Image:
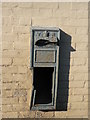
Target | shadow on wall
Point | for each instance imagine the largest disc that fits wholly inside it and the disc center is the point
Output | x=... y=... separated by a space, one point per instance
x=64 y=65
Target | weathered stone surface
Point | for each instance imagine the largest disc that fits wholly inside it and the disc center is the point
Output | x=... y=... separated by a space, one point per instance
x=71 y=18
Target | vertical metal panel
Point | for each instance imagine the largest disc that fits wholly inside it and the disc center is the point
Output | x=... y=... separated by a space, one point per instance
x=44 y=54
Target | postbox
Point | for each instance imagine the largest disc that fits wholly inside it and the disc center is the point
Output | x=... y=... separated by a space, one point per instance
x=44 y=58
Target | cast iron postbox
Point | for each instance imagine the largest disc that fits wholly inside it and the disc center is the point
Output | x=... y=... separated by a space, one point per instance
x=44 y=54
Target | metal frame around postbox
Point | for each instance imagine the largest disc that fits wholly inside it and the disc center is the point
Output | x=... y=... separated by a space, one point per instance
x=52 y=105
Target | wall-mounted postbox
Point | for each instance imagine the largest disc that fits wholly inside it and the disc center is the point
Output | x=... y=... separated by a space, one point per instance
x=44 y=55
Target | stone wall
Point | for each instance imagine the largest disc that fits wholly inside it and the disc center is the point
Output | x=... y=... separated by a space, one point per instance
x=72 y=19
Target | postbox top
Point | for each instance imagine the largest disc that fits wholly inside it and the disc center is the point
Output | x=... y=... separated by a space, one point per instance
x=44 y=28
x=44 y=42
x=42 y=36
